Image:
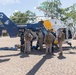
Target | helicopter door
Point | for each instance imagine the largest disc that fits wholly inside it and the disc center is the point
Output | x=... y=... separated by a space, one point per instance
x=68 y=33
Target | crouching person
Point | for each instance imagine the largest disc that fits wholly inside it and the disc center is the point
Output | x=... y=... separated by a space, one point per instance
x=49 y=38
x=28 y=38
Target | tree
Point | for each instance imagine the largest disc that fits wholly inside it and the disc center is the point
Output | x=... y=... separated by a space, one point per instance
x=71 y=12
x=52 y=7
x=22 y=18
x=30 y=16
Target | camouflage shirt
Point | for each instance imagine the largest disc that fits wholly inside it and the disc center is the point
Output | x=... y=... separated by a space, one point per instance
x=49 y=38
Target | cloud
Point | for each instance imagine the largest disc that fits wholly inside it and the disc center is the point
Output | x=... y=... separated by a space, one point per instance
x=16 y=10
x=4 y=2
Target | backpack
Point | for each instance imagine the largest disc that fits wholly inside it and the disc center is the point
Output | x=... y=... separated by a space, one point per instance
x=28 y=37
x=48 y=39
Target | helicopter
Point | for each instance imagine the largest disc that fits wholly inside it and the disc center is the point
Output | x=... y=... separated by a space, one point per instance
x=13 y=29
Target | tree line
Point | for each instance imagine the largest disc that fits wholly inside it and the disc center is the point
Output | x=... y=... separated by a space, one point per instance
x=53 y=7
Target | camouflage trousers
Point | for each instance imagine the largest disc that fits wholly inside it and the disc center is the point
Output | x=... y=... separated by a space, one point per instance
x=60 y=45
x=49 y=47
x=41 y=43
x=27 y=46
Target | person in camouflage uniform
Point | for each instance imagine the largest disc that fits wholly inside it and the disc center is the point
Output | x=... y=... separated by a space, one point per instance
x=40 y=39
x=28 y=37
x=61 y=38
x=22 y=40
x=48 y=41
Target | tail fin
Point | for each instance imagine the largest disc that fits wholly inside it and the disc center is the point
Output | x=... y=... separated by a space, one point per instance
x=11 y=28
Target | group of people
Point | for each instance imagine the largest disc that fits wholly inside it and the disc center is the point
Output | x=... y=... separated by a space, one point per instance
x=48 y=40
x=25 y=39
